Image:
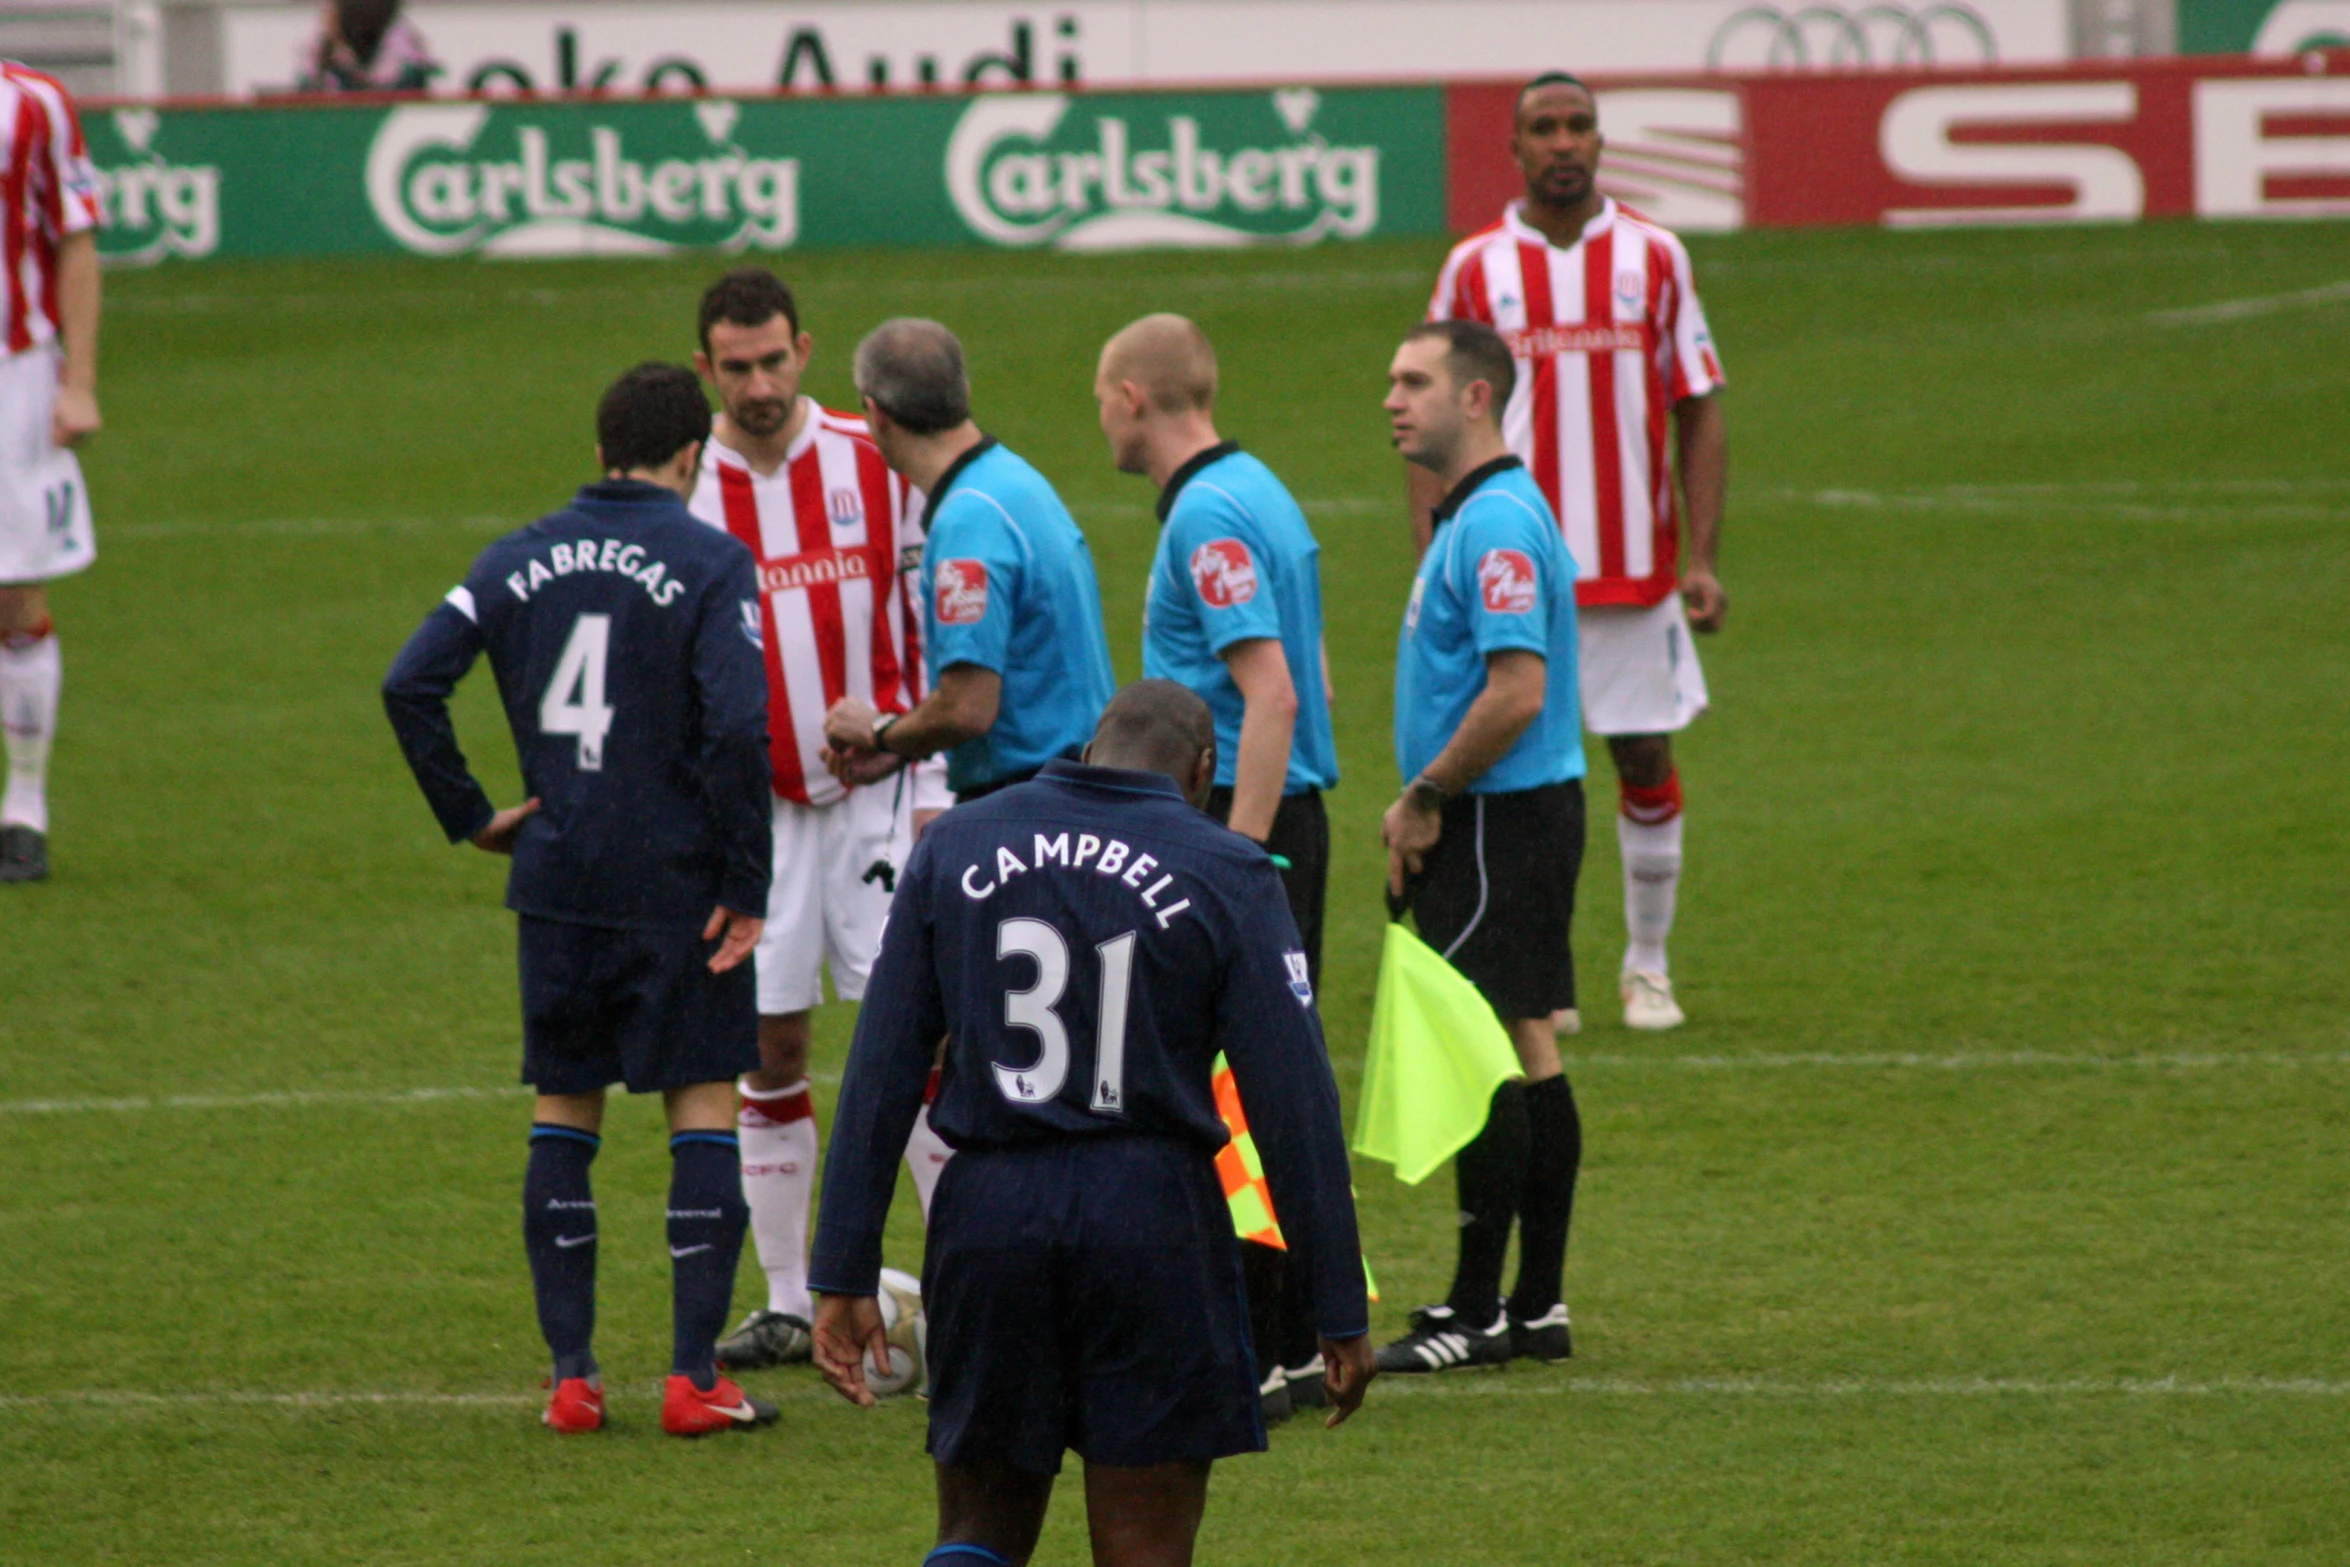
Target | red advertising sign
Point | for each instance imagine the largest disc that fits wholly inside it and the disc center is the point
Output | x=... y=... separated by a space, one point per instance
x=2107 y=141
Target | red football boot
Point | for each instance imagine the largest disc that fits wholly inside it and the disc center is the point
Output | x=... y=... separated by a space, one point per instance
x=688 y=1411
x=577 y=1405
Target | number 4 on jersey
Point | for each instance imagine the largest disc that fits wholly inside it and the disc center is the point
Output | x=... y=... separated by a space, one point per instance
x=574 y=703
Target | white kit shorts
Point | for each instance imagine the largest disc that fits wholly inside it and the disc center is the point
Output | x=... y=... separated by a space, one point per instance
x=45 y=527
x=821 y=908
x=1640 y=674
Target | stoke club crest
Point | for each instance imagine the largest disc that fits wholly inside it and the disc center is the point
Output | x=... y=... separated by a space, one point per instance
x=1224 y=572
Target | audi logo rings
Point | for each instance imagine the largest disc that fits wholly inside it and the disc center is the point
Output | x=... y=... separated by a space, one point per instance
x=1826 y=37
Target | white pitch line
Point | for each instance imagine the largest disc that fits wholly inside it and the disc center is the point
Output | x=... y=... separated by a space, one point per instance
x=1870 y=1387
x=1963 y=1060
x=2258 y=305
x=1519 y=1386
x=286 y=1099
x=306 y=527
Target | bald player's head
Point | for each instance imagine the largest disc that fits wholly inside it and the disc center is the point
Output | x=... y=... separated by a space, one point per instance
x=1156 y=385
x=1157 y=726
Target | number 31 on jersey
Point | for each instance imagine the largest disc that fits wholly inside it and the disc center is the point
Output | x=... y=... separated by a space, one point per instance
x=1032 y=1010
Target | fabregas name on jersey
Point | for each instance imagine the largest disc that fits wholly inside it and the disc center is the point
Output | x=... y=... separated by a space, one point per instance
x=597 y=555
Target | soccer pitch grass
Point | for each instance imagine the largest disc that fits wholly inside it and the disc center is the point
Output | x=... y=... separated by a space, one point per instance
x=1993 y=1207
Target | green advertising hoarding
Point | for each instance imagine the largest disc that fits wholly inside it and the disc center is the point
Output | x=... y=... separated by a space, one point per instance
x=1075 y=171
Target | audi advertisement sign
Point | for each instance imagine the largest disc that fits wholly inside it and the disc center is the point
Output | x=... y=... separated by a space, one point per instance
x=2110 y=142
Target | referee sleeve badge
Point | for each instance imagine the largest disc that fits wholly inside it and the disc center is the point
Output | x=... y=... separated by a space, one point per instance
x=962 y=592
x=1506 y=578
x=1224 y=573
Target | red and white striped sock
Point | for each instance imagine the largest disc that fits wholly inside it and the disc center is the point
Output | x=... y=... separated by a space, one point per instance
x=31 y=674
x=926 y=1152
x=1649 y=830
x=778 y=1133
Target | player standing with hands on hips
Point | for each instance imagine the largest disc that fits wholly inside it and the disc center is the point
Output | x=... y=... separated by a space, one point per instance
x=1234 y=612
x=49 y=217
x=838 y=541
x=625 y=638
x=1020 y=666
x=1486 y=839
x=1600 y=308
x=1089 y=941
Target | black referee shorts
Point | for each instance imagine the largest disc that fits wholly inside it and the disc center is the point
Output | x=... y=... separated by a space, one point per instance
x=1301 y=835
x=1496 y=896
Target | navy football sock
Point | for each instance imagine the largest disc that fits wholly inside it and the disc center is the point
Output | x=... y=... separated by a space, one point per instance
x=559 y=1232
x=1554 y=1155
x=707 y=1217
x=963 y=1554
x=1492 y=1176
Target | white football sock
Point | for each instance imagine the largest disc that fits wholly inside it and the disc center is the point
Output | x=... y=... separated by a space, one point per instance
x=926 y=1157
x=31 y=674
x=778 y=1133
x=1652 y=879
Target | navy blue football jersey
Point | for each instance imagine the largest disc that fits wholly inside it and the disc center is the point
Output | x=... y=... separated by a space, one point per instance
x=1090 y=942
x=626 y=642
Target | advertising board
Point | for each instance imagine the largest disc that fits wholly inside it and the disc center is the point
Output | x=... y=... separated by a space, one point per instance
x=2110 y=142
x=1066 y=170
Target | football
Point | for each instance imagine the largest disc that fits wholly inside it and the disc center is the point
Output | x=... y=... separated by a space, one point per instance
x=901 y=1321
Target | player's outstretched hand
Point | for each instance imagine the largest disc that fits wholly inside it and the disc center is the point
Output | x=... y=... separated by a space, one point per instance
x=740 y=933
x=1347 y=1370
x=848 y=1327
x=498 y=837
x=73 y=416
x=1708 y=604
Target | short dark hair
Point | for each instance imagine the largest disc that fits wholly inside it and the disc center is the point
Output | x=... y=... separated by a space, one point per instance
x=913 y=371
x=1553 y=79
x=650 y=415
x=747 y=296
x=1474 y=351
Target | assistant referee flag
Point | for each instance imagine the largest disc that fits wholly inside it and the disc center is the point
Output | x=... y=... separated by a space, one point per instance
x=1437 y=1054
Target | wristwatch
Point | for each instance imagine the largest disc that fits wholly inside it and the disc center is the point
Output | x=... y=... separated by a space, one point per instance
x=881 y=728
x=1427 y=793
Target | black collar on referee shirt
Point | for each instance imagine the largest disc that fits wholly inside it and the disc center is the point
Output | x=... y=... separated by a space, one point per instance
x=946 y=480
x=1469 y=486
x=1191 y=465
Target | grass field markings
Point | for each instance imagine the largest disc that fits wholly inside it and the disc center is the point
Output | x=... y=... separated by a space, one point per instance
x=1868 y=1387
x=2257 y=305
x=1537 y=1385
x=1336 y=506
x=2218 y=501
x=1966 y=1060
x=299 y=527
x=281 y=1099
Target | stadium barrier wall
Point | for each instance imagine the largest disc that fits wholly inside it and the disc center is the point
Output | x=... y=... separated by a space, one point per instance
x=1080 y=171
x=2113 y=141
x=645 y=176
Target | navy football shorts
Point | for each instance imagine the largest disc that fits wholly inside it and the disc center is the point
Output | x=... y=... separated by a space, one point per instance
x=641 y=1007
x=1085 y=1294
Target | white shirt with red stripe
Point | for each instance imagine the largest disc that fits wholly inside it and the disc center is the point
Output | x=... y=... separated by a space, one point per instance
x=1608 y=335
x=838 y=538
x=48 y=190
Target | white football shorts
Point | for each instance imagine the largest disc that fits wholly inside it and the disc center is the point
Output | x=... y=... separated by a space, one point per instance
x=821 y=909
x=1639 y=669
x=45 y=527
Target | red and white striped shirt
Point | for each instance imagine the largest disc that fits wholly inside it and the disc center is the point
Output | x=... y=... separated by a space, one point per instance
x=48 y=189
x=838 y=538
x=1608 y=335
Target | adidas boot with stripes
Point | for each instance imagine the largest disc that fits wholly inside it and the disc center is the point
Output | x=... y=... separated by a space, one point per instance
x=1441 y=1341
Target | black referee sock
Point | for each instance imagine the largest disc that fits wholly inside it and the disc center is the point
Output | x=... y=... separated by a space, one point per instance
x=1492 y=1176
x=559 y=1233
x=1554 y=1156
x=707 y=1217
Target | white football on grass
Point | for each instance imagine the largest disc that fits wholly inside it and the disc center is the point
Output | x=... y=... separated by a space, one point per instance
x=907 y=1334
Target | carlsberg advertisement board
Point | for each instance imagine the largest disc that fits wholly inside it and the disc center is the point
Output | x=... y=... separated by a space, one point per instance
x=1074 y=171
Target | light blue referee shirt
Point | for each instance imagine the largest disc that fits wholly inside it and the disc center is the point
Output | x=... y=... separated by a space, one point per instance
x=1012 y=590
x=1497 y=575
x=1237 y=561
